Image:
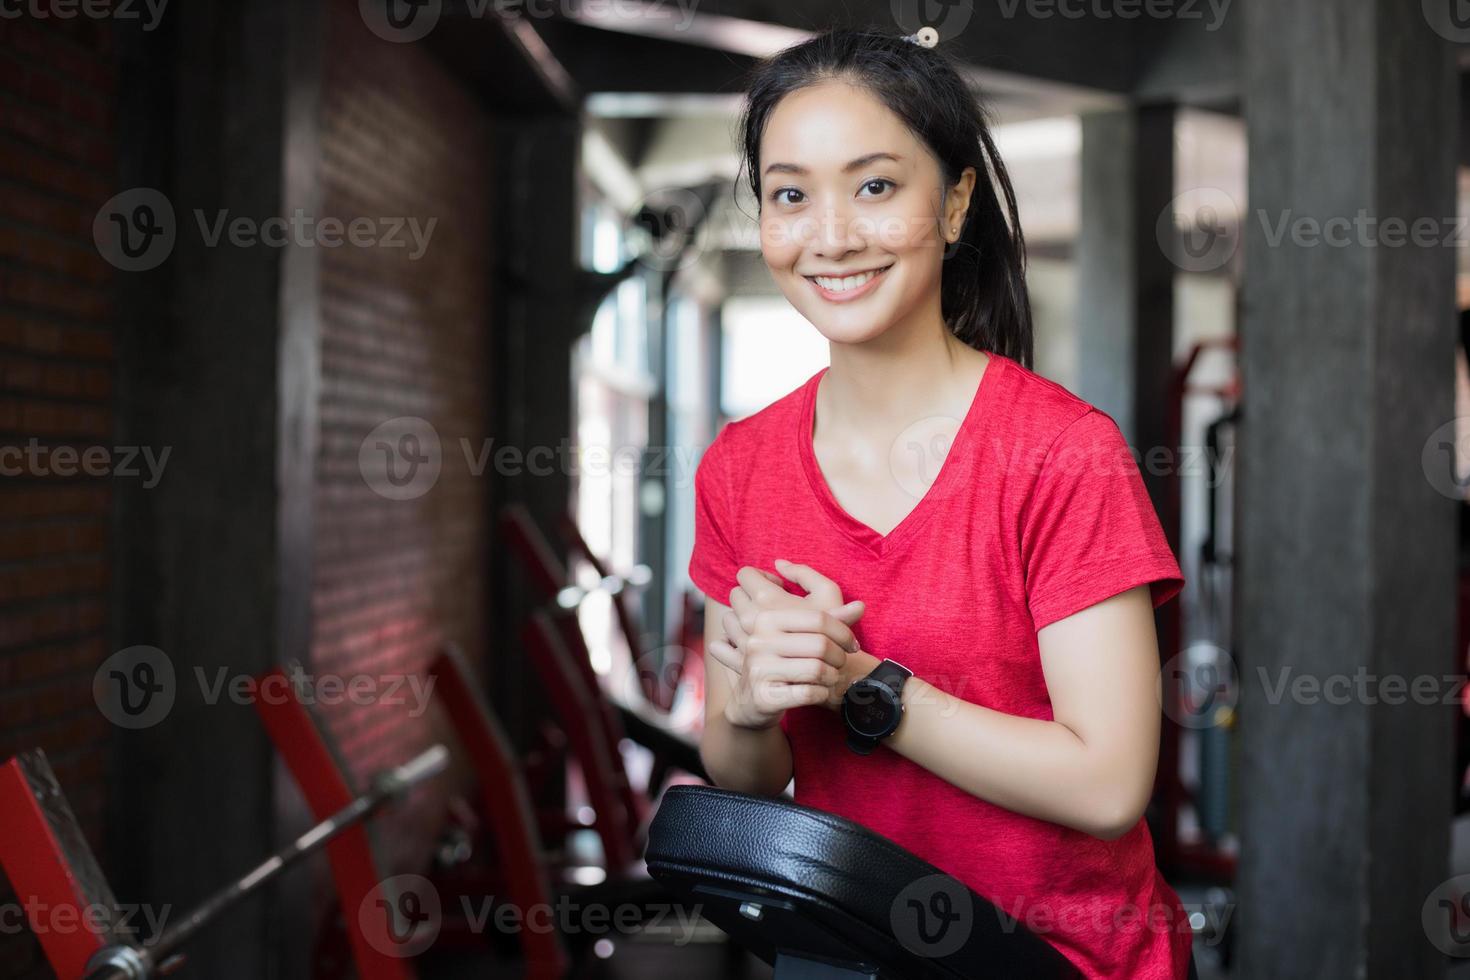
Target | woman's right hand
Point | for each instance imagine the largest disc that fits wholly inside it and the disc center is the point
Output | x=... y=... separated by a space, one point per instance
x=786 y=650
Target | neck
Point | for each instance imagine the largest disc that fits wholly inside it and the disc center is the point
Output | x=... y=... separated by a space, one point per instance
x=909 y=372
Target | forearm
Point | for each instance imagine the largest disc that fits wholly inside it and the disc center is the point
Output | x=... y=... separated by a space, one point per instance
x=1031 y=766
x=748 y=760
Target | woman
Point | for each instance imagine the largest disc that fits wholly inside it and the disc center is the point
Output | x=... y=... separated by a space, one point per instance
x=929 y=504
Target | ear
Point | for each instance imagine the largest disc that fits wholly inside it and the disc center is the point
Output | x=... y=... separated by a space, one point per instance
x=957 y=202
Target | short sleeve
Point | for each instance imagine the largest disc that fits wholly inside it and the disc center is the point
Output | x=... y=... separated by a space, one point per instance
x=1089 y=530
x=712 y=564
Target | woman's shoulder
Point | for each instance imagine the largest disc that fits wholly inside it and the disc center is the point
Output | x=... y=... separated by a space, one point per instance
x=1038 y=410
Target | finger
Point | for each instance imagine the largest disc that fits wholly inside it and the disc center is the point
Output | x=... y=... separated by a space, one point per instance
x=726 y=654
x=734 y=632
x=779 y=646
x=758 y=587
x=811 y=580
x=783 y=696
x=807 y=621
x=744 y=608
x=850 y=612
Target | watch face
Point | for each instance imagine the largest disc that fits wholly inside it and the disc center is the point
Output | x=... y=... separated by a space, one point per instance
x=870 y=708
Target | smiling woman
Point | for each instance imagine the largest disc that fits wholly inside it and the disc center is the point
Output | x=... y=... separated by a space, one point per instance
x=929 y=522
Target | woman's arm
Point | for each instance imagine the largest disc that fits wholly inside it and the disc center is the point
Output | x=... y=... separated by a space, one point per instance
x=1091 y=768
x=749 y=759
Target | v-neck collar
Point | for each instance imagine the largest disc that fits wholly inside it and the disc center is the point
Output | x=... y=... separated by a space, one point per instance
x=957 y=463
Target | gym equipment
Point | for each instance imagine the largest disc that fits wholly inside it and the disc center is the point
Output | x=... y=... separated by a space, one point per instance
x=1178 y=854
x=823 y=898
x=47 y=860
x=358 y=882
x=591 y=723
x=506 y=805
x=520 y=872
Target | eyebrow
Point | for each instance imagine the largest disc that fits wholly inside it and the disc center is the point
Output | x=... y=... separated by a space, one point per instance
x=862 y=161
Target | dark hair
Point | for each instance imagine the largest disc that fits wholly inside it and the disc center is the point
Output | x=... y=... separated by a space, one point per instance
x=983 y=286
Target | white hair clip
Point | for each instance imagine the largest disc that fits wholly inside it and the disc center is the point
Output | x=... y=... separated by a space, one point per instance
x=927 y=37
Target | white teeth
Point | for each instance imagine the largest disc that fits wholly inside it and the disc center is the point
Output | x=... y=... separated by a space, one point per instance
x=843 y=285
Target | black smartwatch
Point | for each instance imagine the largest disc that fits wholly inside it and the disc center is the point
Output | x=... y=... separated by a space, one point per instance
x=873 y=705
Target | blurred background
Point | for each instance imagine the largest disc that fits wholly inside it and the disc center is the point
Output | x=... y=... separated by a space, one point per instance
x=336 y=335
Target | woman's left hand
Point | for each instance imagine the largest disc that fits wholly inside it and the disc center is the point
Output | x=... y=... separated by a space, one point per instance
x=761 y=590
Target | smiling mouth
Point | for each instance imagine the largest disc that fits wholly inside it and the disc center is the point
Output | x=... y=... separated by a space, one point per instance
x=842 y=285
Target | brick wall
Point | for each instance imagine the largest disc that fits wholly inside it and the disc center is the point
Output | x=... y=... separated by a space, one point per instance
x=57 y=148
x=400 y=337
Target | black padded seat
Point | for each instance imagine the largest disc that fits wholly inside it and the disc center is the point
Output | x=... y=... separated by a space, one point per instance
x=820 y=896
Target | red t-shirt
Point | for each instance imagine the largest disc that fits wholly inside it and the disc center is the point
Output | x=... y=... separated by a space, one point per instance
x=1038 y=511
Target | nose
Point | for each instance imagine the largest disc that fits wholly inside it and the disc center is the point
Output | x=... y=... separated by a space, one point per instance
x=836 y=232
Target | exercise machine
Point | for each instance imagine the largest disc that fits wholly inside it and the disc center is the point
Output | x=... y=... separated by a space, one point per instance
x=823 y=898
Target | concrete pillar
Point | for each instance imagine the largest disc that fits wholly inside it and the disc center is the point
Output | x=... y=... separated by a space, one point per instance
x=217 y=354
x=1125 y=281
x=1346 y=551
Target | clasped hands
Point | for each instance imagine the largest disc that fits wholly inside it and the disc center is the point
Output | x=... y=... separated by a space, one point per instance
x=788 y=650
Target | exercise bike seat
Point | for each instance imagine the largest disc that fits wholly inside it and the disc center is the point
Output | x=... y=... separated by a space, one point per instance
x=817 y=895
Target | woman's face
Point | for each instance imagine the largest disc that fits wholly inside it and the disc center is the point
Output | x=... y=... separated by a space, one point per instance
x=847 y=191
